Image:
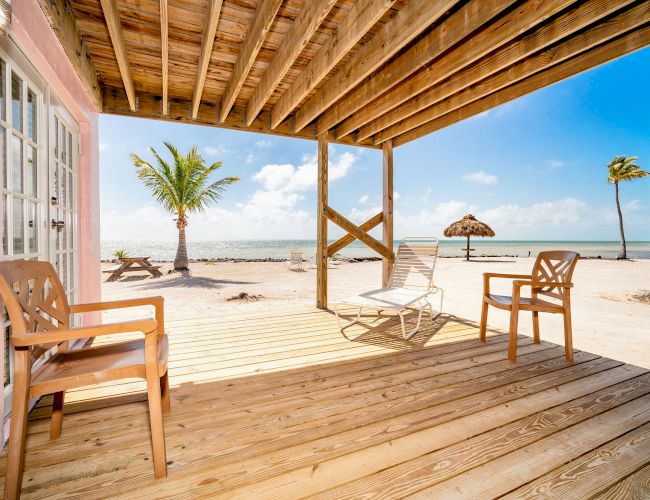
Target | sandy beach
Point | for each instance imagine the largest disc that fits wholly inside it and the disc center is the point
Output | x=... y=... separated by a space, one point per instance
x=607 y=319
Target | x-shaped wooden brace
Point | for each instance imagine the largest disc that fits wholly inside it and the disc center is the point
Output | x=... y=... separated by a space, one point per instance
x=357 y=232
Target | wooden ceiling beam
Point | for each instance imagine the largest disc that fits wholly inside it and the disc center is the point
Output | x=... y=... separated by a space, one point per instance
x=471 y=16
x=363 y=16
x=469 y=52
x=211 y=22
x=415 y=17
x=311 y=16
x=164 y=54
x=547 y=34
x=264 y=16
x=116 y=103
x=541 y=61
x=114 y=25
x=634 y=40
x=65 y=27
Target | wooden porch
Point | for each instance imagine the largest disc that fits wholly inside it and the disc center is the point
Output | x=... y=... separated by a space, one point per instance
x=286 y=406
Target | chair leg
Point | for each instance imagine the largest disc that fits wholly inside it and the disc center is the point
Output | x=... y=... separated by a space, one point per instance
x=568 y=335
x=164 y=393
x=57 y=415
x=512 y=341
x=17 y=431
x=156 y=421
x=536 y=327
x=484 y=316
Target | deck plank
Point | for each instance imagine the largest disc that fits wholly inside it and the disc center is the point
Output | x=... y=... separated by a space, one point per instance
x=283 y=405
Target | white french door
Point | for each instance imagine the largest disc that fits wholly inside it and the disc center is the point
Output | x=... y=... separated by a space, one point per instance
x=39 y=155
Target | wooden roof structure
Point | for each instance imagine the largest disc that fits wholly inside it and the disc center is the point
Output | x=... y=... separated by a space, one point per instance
x=364 y=71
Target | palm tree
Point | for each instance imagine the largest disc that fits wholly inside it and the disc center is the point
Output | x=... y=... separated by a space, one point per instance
x=181 y=187
x=623 y=168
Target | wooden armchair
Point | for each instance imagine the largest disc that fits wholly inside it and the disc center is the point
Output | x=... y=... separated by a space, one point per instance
x=39 y=313
x=551 y=278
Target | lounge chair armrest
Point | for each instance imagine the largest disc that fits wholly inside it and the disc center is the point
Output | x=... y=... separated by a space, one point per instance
x=145 y=326
x=537 y=284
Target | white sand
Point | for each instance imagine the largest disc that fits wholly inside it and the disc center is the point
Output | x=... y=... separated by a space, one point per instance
x=605 y=320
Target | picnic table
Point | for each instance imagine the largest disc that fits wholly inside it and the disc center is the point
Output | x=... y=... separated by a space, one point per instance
x=132 y=265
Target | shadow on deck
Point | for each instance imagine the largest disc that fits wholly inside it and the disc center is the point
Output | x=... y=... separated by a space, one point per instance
x=285 y=406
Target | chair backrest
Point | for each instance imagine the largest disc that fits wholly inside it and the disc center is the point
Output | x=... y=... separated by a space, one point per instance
x=296 y=257
x=554 y=266
x=34 y=299
x=415 y=262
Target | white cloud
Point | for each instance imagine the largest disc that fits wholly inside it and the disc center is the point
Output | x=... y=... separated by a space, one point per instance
x=633 y=205
x=425 y=197
x=481 y=177
x=361 y=215
x=263 y=144
x=250 y=158
x=364 y=199
x=554 y=164
x=396 y=195
x=103 y=146
x=217 y=150
x=554 y=213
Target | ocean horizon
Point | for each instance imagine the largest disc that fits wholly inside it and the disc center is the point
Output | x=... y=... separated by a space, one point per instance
x=165 y=250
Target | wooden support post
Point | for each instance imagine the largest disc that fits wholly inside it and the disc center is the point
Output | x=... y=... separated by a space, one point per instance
x=321 y=221
x=387 y=266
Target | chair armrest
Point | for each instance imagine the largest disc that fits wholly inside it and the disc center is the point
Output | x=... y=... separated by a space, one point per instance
x=157 y=302
x=145 y=326
x=502 y=275
x=537 y=284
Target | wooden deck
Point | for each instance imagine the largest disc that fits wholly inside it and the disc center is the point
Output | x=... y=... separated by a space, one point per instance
x=285 y=407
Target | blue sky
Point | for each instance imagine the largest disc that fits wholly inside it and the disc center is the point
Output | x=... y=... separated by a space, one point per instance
x=534 y=168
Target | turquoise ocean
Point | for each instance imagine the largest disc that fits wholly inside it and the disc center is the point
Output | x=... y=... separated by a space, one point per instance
x=279 y=249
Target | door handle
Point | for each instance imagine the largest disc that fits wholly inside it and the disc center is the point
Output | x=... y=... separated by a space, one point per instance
x=58 y=224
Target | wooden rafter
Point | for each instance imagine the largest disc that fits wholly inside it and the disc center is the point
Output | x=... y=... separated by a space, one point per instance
x=541 y=61
x=264 y=16
x=64 y=24
x=211 y=22
x=114 y=25
x=545 y=35
x=164 y=44
x=415 y=17
x=470 y=17
x=468 y=53
x=621 y=46
x=363 y=15
x=303 y=28
x=358 y=233
x=344 y=241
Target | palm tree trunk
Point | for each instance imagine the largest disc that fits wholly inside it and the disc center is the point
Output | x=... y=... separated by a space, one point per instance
x=181 y=262
x=467 y=256
x=623 y=252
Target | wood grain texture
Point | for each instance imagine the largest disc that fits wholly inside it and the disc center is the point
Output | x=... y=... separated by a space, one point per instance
x=282 y=405
x=387 y=203
x=621 y=46
x=114 y=26
x=435 y=89
x=416 y=16
x=547 y=58
x=65 y=27
x=211 y=22
x=303 y=28
x=321 y=222
x=470 y=17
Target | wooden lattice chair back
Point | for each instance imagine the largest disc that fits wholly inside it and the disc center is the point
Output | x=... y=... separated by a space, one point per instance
x=414 y=264
x=554 y=267
x=34 y=299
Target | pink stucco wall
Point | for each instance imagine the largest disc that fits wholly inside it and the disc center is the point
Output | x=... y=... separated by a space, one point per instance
x=30 y=29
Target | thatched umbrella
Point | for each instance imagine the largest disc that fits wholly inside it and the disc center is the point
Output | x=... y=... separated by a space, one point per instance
x=468 y=226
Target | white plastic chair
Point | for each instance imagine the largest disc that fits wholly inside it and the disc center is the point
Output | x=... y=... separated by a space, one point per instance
x=410 y=285
x=295 y=260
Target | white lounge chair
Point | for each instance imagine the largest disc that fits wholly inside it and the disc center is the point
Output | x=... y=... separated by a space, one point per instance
x=295 y=260
x=410 y=285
